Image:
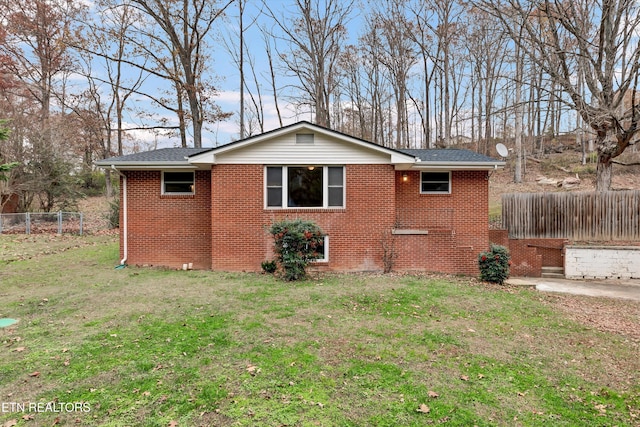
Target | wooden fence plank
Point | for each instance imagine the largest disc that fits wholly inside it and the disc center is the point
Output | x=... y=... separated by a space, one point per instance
x=579 y=216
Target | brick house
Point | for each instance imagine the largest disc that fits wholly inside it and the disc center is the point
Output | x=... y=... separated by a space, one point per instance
x=211 y=207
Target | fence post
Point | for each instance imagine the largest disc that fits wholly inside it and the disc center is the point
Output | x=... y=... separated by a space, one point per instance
x=59 y=222
x=81 y=223
x=27 y=223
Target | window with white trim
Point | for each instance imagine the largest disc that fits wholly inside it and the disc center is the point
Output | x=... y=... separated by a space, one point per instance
x=435 y=182
x=304 y=138
x=178 y=183
x=324 y=250
x=305 y=186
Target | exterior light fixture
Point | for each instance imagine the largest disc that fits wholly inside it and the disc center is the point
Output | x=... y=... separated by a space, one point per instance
x=405 y=177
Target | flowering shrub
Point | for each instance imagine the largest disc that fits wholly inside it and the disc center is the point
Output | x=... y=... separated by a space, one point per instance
x=296 y=243
x=494 y=264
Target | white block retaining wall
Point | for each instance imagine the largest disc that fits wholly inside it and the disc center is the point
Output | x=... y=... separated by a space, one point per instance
x=592 y=262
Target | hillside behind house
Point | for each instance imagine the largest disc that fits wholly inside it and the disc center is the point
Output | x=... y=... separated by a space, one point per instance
x=547 y=172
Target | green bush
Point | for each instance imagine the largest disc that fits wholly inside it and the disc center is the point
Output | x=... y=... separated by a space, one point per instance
x=494 y=264
x=269 y=266
x=296 y=243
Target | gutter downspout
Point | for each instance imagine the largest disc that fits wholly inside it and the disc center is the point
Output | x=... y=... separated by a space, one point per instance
x=125 y=239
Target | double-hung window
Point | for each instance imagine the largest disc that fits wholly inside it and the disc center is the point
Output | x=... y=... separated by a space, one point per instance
x=435 y=182
x=178 y=183
x=305 y=186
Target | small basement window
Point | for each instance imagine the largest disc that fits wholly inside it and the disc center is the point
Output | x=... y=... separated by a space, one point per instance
x=435 y=182
x=178 y=182
x=324 y=250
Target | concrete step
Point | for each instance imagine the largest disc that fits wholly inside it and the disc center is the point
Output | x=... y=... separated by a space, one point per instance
x=553 y=272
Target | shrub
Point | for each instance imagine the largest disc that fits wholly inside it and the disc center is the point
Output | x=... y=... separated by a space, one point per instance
x=296 y=243
x=494 y=264
x=269 y=266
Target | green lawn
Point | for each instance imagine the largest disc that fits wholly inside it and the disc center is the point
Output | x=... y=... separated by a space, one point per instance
x=151 y=347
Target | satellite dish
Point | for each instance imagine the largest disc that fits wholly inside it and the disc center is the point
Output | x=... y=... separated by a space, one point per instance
x=502 y=150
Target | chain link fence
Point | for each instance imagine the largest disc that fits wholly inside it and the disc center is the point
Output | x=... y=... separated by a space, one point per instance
x=40 y=223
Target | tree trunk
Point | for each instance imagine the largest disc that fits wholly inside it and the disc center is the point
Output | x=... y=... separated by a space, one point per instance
x=607 y=144
x=603 y=172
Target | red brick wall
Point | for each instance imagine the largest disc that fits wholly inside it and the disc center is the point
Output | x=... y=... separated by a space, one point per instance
x=167 y=230
x=528 y=256
x=457 y=223
x=224 y=226
x=240 y=221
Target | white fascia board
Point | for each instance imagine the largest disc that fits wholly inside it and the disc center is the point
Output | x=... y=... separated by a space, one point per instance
x=401 y=158
x=207 y=158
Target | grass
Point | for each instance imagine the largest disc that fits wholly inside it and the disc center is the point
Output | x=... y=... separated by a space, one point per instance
x=155 y=347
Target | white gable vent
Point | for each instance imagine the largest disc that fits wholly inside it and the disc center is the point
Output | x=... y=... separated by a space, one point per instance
x=304 y=138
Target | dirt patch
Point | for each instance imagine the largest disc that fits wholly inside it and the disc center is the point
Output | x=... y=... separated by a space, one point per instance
x=603 y=314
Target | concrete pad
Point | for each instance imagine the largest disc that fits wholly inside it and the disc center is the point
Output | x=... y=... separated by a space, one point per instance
x=609 y=288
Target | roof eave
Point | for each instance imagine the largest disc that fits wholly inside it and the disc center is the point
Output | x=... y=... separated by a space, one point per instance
x=145 y=165
x=458 y=165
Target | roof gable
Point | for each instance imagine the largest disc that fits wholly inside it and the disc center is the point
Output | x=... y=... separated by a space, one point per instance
x=280 y=146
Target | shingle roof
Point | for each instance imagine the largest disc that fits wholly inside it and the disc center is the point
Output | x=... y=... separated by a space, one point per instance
x=162 y=155
x=179 y=158
x=449 y=155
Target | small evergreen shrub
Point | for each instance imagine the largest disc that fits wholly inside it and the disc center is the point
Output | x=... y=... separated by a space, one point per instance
x=113 y=214
x=269 y=267
x=494 y=264
x=296 y=243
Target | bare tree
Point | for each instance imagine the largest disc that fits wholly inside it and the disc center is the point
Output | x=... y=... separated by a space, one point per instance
x=600 y=41
x=43 y=138
x=487 y=51
x=519 y=60
x=445 y=31
x=398 y=56
x=316 y=35
x=186 y=24
x=35 y=41
x=375 y=86
x=422 y=35
x=358 y=107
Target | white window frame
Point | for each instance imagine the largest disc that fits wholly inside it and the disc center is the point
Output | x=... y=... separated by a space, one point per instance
x=325 y=256
x=178 y=193
x=434 y=192
x=325 y=187
x=305 y=138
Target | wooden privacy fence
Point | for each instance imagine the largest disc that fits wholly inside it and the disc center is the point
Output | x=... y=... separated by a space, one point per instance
x=580 y=216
